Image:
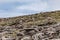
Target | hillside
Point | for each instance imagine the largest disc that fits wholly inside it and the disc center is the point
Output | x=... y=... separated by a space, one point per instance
x=31 y=19
x=39 y=26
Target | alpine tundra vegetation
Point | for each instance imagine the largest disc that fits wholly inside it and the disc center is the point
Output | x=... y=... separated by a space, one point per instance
x=39 y=26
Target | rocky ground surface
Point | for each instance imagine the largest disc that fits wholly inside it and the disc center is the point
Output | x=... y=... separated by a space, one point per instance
x=46 y=31
x=42 y=26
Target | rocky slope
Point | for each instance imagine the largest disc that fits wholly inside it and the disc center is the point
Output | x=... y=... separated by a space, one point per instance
x=40 y=26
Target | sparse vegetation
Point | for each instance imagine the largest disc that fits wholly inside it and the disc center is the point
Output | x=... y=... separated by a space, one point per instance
x=44 y=23
x=31 y=19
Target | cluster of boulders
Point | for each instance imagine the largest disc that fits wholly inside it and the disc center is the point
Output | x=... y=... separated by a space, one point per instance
x=36 y=32
x=49 y=30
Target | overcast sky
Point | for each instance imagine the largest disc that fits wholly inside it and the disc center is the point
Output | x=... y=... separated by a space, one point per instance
x=10 y=8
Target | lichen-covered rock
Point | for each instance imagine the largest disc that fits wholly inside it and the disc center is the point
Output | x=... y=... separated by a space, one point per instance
x=26 y=38
x=38 y=36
